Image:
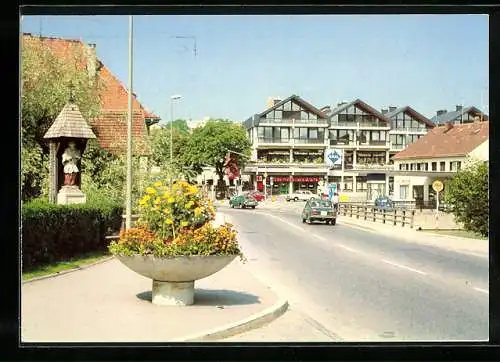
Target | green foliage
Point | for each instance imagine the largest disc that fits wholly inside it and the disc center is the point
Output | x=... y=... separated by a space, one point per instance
x=46 y=82
x=105 y=175
x=467 y=193
x=34 y=172
x=180 y=125
x=175 y=220
x=208 y=145
x=52 y=233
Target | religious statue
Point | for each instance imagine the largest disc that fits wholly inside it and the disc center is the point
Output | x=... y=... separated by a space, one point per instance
x=70 y=158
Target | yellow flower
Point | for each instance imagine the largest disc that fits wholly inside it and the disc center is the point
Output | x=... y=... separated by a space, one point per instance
x=171 y=200
x=189 y=204
x=169 y=221
x=184 y=223
x=146 y=198
x=166 y=195
x=197 y=211
x=157 y=201
x=157 y=184
x=151 y=190
x=142 y=202
x=166 y=211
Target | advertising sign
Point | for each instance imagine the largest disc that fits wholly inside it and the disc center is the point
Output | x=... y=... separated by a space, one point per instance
x=333 y=156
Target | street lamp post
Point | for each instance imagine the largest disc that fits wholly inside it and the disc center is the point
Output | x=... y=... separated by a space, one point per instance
x=128 y=208
x=172 y=99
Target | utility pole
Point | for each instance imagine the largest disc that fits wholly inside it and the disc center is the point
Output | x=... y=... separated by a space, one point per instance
x=129 y=124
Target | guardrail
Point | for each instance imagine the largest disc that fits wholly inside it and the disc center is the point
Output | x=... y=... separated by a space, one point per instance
x=393 y=217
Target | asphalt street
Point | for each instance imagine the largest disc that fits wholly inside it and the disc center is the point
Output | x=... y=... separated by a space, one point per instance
x=360 y=286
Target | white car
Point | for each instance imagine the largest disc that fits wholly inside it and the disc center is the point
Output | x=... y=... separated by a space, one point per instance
x=300 y=195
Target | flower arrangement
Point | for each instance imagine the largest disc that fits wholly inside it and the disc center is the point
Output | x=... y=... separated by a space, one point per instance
x=176 y=220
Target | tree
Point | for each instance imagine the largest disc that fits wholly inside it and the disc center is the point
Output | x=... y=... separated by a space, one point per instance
x=179 y=124
x=467 y=193
x=46 y=83
x=209 y=145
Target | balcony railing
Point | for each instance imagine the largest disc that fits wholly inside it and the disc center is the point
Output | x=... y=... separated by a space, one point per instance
x=374 y=143
x=274 y=140
x=373 y=166
x=409 y=130
x=397 y=147
x=310 y=141
x=342 y=143
x=294 y=121
x=360 y=124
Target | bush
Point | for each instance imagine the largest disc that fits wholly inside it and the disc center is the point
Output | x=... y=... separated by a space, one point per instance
x=53 y=233
x=468 y=195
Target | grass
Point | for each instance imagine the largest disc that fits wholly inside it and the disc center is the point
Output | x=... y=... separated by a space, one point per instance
x=460 y=233
x=60 y=266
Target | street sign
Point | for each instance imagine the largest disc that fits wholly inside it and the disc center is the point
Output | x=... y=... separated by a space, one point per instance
x=437 y=186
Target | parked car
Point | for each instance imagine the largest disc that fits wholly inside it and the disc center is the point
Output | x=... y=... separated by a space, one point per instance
x=242 y=201
x=319 y=210
x=384 y=203
x=300 y=195
x=256 y=195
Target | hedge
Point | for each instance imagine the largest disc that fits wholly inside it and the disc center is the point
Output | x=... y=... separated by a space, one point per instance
x=52 y=233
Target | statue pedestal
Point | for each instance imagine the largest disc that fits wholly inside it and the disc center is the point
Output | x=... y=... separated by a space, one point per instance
x=70 y=195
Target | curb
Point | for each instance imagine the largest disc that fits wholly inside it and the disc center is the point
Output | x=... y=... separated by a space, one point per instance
x=67 y=271
x=254 y=321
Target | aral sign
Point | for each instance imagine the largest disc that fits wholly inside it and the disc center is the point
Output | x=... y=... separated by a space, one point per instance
x=333 y=156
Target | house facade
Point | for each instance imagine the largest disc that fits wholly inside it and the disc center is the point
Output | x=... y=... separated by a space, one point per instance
x=460 y=115
x=439 y=155
x=110 y=126
x=288 y=143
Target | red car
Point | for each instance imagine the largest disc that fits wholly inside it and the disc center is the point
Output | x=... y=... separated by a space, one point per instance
x=256 y=195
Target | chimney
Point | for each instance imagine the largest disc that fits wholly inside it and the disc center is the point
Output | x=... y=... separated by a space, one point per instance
x=341 y=103
x=272 y=101
x=384 y=110
x=441 y=112
x=448 y=126
x=91 y=61
x=392 y=108
x=459 y=108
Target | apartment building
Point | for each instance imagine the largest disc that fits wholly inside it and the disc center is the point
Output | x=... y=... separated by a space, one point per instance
x=460 y=115
x=361 y=134
x=438 y=155
x=288 y=145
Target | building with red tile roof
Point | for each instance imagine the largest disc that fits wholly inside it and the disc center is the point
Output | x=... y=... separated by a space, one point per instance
x=438 y=155
x=111 y=124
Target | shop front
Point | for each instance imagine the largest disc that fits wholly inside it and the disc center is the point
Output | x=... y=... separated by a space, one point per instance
x=308 y=156
x=285 y=184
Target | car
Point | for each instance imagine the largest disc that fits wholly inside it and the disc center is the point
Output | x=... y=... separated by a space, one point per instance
x=384 y=203
x=243 y=202
x=256 y=195
x=317 y=209
x=300 y=195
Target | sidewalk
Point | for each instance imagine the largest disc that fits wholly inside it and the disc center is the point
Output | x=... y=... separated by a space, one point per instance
x=110 y=303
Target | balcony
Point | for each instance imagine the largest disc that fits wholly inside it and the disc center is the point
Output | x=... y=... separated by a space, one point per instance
x=269 y=166
x=283 y=141
x=398 y=147
x=342 y=143
x=291 y=141
x=363 y=125
x=291 y=122
x=373 y=144
x=418 y=130
x=373 y=166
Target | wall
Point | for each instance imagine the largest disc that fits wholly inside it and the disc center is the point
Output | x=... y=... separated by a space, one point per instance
x=482 y=152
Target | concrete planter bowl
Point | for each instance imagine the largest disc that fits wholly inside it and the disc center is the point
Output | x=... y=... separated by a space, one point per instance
x=174 y=277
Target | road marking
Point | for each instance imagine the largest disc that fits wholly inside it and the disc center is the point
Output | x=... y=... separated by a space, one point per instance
x=403 y=267
x=287 y=222
x=482 y=290
x=347 y=248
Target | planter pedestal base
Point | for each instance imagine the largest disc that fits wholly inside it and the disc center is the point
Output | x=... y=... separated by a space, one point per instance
x=170 y=293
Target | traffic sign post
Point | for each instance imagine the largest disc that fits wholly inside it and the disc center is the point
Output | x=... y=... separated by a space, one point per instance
x=438 y=187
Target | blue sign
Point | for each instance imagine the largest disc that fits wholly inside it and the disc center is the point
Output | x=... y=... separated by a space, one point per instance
x=333 y=157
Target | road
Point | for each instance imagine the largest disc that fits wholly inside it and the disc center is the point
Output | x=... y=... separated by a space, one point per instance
x=360 y=286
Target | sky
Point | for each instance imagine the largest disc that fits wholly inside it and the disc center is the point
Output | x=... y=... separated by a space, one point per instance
x=428 y=62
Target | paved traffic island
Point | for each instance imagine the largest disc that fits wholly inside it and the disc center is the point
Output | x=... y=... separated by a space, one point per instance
x=110 y=303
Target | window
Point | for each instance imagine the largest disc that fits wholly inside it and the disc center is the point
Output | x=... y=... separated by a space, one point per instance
x=363 y=137
x=361 y=184
x=342 y=118
x=375 y=136
x=344 y=136
x=413 y=166
x=278 y=114
x=285 y=133
x=442 y=166
x=424 y=166
x=332 y=134
x=313 y=116
x=260 y=132
x=403 y=192
x=268 y=132
x=321 y=134
x=313 y=133
x=418 y=166
x=347 y=183
x=295 y=107
x=453 y=166
x=434 y=166
x=459 y=165
x=303 y=133
x=303 y=116
x=287 y=106
x=391 y=185
x=403 y=167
